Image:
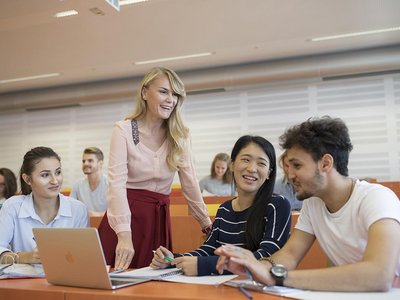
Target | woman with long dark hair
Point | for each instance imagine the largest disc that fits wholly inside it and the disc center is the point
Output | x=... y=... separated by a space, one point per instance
x=256 y=219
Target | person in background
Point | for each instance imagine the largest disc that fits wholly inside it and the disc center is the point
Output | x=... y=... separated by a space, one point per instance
x=284 y=187
x=219 y=183
x=255 y=219
x=92 y=190
x=8 y=184
x=356 y=223
x=40 y=205
x=146 y=151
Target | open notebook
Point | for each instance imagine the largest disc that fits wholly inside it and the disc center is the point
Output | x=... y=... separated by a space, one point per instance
x=173 y=275
x=74 y=257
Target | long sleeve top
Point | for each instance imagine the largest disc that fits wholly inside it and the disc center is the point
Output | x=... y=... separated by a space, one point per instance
x=18 y=217
x=229 y=228
x=134 y=166
x=216 y=187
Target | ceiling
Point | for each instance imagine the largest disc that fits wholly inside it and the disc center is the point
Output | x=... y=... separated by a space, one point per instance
x=90 y=48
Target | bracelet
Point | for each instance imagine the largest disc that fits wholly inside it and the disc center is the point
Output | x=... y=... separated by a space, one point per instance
x=268 y=259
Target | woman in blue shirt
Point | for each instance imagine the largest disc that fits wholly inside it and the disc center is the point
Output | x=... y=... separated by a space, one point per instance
x=40 y=205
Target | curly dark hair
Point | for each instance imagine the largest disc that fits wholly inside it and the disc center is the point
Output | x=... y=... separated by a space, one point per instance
x=320 y=136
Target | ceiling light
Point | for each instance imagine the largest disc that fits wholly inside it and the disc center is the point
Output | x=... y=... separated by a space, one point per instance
x=30 y=77
x=66 y=13
x=126 y=2
x=353 y=34
x=172 y=58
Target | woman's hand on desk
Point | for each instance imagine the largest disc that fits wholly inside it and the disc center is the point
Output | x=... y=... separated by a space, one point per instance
x=188 y=264
x=29 y=257
x=124 y=252
x=161 y=258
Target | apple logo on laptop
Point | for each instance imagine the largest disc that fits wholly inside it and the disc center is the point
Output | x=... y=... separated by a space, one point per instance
x=69 y=257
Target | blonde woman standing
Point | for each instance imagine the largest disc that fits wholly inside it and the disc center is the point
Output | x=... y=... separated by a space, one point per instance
x=146 y=151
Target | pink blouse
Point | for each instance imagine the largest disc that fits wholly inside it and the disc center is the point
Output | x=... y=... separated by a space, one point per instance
x=137 y=167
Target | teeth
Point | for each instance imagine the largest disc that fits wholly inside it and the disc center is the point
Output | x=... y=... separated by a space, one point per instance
x=165 y=107
x=250 y=178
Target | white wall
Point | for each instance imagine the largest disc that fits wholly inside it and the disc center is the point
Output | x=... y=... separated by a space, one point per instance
x=369 y=105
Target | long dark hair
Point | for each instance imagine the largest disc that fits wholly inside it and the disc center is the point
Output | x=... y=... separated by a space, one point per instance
x=10 y=182
x=31 y=159
x=255 y=215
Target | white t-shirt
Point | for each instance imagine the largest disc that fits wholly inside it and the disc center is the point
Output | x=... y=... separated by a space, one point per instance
x=343 y=235
x=96 y=200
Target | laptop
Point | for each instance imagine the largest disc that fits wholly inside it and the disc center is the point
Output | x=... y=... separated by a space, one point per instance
x=74 y=257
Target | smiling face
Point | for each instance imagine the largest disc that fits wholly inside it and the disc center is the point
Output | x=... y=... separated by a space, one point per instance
x=304 y=173
x=46 y=178
x=90 y=164
x=251 y=168
x=220 y=168
x=160 y=97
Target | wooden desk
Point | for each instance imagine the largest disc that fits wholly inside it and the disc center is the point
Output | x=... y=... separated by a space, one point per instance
x=22 y=289
x=38 y=288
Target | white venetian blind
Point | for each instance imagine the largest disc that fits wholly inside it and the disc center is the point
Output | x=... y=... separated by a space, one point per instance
x=369 y=105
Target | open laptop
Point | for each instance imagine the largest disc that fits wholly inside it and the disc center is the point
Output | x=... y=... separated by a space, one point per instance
x=74 y=257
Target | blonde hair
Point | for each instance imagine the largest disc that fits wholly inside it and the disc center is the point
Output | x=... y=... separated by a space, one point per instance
x=227 y=178
x=177 y=132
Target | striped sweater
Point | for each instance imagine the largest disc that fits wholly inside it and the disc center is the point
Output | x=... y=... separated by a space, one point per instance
x=229 y=228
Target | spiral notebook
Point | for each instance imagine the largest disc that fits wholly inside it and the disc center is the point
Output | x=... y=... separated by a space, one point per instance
x=172 y=275
x=149 y=273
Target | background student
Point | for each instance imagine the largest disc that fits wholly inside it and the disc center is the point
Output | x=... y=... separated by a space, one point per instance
x=40 y=205
x=8 y=184
x=356 y=223
x=219 y=182
x=284 y=187
x=92 y=190
x=256 y=219
x=146 y=151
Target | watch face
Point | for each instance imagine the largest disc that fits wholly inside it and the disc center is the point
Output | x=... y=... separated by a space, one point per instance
x=279 y=271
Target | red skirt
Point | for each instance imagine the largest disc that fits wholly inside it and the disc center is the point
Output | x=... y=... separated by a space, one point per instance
x=150 y=225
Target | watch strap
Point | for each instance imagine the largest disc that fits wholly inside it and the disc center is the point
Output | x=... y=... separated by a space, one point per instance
x=268 y=259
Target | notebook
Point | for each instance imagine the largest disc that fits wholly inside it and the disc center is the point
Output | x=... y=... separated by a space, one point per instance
x=174 y=275
x=74 y=257
x=149 y=273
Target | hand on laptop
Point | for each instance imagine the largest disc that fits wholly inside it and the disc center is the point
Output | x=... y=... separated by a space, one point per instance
x=124 y=252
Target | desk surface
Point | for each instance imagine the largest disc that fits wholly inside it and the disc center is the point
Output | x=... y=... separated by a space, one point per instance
x=21 y=289
x=39 y=288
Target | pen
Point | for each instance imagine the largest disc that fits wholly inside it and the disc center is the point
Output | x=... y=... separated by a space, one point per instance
x=169 y=259
x=245 y=292
x=249 y=275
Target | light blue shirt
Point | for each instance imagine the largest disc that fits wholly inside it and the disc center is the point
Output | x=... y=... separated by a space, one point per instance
x=216 y=187
x=18 y=217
